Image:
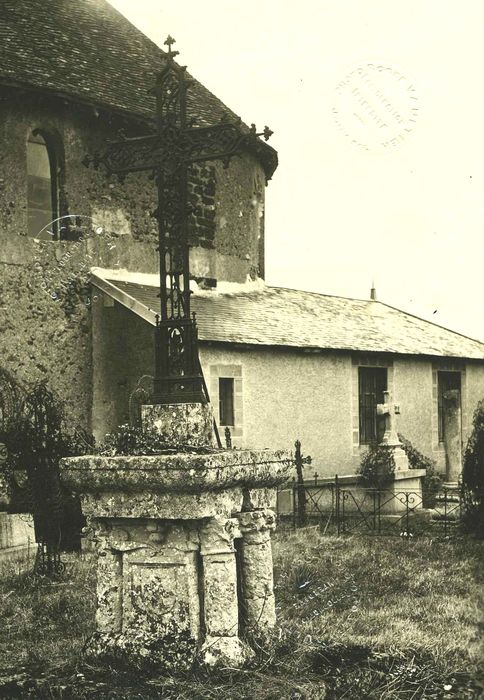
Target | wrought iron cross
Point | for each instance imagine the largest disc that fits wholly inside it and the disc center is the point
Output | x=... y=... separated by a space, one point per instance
x=168 y=154
x=300 y=461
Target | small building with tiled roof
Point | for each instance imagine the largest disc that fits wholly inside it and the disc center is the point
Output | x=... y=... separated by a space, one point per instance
x=283 y=364
x=279 y=364
x=73 y=74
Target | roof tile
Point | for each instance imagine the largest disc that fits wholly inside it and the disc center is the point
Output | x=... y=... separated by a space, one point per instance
x=74 y=46
x=291 y=318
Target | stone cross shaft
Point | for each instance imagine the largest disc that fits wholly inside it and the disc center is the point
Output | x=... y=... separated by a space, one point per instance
x=387 y=409
x=168 y=154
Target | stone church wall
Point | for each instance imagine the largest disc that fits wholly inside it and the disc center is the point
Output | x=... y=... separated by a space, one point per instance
x=45 y=320
x=123 y=351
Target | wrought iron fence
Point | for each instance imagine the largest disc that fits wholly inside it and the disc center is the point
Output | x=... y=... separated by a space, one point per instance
x=34 y=436
x=341 y=509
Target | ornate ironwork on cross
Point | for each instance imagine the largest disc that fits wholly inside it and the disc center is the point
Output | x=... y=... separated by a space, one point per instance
x=168 y=154
x=300 y=462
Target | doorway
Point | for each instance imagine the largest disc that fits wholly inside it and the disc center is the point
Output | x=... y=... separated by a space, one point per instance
x=450 y=422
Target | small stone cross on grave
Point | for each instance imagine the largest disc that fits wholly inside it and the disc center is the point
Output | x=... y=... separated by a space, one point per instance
x=389 y=410
x=390 y=437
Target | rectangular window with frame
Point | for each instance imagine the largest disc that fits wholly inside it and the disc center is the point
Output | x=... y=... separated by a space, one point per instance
x=447 y=381
x=372 y=382
x=226 y=400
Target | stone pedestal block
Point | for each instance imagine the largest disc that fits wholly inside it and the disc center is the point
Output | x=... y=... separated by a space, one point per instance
x=181 y=423
x=17 y=535
x=183 y=547
x=401 y=459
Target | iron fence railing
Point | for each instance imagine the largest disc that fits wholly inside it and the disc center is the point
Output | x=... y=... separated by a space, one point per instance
x=343 y=509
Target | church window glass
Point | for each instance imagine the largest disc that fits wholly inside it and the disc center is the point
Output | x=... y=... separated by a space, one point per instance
x=372 y=382
x=226 y=400
x=446 y=382
x=42 y=187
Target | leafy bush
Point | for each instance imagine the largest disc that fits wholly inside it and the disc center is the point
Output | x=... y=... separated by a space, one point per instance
x=377 y=468
x=472 y=489
x=136 y=440
x=132 y=440
x=36 y=437
x=431 y=482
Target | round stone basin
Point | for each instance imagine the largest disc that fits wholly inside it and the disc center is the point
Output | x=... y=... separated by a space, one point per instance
x=187 y=472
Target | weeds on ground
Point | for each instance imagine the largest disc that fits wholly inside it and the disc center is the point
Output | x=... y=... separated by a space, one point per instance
x=357 y=618
x=44 y=621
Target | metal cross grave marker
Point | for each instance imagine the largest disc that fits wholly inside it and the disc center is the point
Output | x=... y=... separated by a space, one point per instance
x=168 y=154
x=300 y=461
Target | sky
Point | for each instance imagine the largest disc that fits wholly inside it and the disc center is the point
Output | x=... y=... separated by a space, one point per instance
x=377 y=108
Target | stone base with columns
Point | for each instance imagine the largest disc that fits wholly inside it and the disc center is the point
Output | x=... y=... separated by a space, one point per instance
x=183 y=546
x=181 y=423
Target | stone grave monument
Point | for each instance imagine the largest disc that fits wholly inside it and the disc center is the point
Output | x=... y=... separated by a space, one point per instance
x=182 y=542
x=182 y=538
x=407 y=482
x=406 y=488
x=390 y=437
x=17 y=535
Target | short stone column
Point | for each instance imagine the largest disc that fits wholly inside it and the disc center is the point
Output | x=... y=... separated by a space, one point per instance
x=221 y=610
x=258 y=605
x=181 y=423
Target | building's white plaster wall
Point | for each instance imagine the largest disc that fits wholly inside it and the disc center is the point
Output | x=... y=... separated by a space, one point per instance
x=281 y=395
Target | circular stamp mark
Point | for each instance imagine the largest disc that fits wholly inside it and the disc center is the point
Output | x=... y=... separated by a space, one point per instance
x=376 y=107
x=67 y=270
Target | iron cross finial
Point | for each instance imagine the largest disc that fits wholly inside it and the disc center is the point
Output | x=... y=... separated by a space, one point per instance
x=267 y=133
x=169 y=41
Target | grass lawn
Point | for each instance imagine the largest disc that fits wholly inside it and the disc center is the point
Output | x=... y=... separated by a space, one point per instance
x=364 y=617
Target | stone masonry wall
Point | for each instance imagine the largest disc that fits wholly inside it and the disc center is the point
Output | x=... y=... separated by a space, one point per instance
x=123 y=351
x=474 y=390
x=412 y=389
x=240 y=213
x=230 y=224
x=475 y=393
x=45 y=321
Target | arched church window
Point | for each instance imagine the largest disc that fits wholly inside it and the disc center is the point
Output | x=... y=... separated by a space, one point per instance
x=42 y=186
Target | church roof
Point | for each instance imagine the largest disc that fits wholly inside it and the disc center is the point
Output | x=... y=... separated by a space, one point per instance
x=274 y=316
x=89 y=52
